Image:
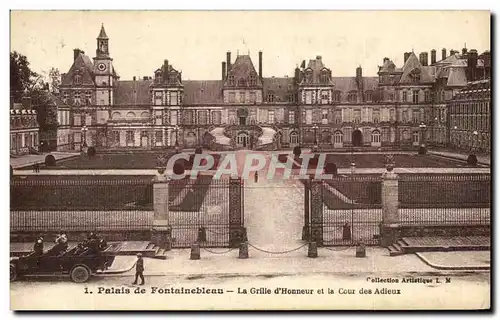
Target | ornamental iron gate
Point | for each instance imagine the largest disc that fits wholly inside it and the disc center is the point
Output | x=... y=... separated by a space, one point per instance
x=213 y=205
x=343 y=210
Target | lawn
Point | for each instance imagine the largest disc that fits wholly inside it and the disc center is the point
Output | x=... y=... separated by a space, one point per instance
x=378 y=161
x=129 y=160
x=423 y=191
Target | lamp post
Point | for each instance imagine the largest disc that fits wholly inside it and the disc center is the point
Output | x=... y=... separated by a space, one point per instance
x=84 y=136
x=315 y=127
x=176 y=138
x=474 y=144
x=422 y=127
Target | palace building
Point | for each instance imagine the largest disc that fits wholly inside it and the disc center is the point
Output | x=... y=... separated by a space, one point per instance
x=24 y=128
x=401 y=107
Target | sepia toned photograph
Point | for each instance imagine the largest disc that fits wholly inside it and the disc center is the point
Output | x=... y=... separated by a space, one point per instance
x=250 y=160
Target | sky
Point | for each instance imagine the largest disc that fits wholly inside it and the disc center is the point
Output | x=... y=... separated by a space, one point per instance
x=196 y=42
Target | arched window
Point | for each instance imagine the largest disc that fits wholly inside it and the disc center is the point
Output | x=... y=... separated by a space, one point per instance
x=368 y=96
x=338 y=137
x=116 y=115
x=376 y=136
x=326 y=137
x=294 y=137
x=416 y=137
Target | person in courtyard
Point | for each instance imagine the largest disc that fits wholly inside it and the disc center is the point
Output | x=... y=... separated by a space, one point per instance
x=256 y=176
x=38 y=246
x=61 y=243
x=139 y=269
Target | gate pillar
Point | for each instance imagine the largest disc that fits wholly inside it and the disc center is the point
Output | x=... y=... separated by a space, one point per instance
x=161 y=231
x=307 y=205
x=390 y=204
x=236 y=233
x=316 y=212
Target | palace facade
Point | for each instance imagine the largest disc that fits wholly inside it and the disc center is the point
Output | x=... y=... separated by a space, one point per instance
x=402 y=107
x=24 y=128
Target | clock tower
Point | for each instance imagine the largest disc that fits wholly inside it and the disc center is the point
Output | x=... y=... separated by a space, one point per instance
x=103 y=71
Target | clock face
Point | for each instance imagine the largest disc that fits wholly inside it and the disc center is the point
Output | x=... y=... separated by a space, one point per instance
x=101 y=67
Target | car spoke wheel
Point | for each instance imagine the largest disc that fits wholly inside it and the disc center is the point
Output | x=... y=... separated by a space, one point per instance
x=13 y=273
x=80 y=274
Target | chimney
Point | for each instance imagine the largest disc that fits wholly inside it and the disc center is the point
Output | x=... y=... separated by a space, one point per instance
x=472 y=65
x=134 y=78
x=386 y=59
x=421 y=58
x=165 y=67
x=318 y=58
x=452 y=52
x=297 y=74
x=260 y=64
x=228 y=61
x=433 y=56
x=424 y=58
x=443 y=54
x=76 y=52
x=359 y=73
x=464 y=51
x=26 y=102
x=407 y=55
x=224 y=72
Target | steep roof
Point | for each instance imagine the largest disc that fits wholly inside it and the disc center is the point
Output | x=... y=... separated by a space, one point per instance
x=82 y=65
x=132 y=92
x=345 y=84
x=102 y=34
x=457 y=76
x=281 y=87
x=411 y=65
x=315 y=66
x=200 y=92
x=243 y=68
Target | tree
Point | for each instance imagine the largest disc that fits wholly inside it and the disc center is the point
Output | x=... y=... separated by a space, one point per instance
x=55 y=80
x=22 y=78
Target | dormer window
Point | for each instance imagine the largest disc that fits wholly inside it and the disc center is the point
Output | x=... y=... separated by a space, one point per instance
x=158 y=76
x=352 y=96
x=368 y=96
x=77 y=79
x=253 y=80
x=270 y=97
x=325 y=77
x=308 y=76
x=65 y=96
x=415 y=76
x=242 y=83
x=172 y=79
x=231 y=80
x=336 y=96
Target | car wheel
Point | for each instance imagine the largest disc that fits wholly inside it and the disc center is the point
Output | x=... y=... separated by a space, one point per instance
x=80 y=274
x=13 y=273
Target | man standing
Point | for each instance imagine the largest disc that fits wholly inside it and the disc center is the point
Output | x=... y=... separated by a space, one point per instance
x=139 y=269
x=38 y=246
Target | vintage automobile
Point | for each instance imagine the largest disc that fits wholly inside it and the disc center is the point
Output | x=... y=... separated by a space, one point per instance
x=80 y=262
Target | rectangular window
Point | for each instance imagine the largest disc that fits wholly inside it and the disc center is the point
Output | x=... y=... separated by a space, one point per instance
x=291 y=116
x=202 y=117
x=338 y=116
x=232 y=97
x=309 y=117
x=415 y=115
x=324 y=96
x=376 y=116
x=115 y=137
x=415 y=96
x=308 y=97
x=217 y=117
x=405 y=97
x=159 y=138
x=130 y=136
x=270 y=97
x=324 y=116
x=158 y=98
x=270 y=116
x=357 y=116
x=253 y=97
x=158 y=118
x=174 y=101
x=242 y=97
x=427 y=96
x=173 y=117
x=391 y=96
x=405 y=116
x=77 y=120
